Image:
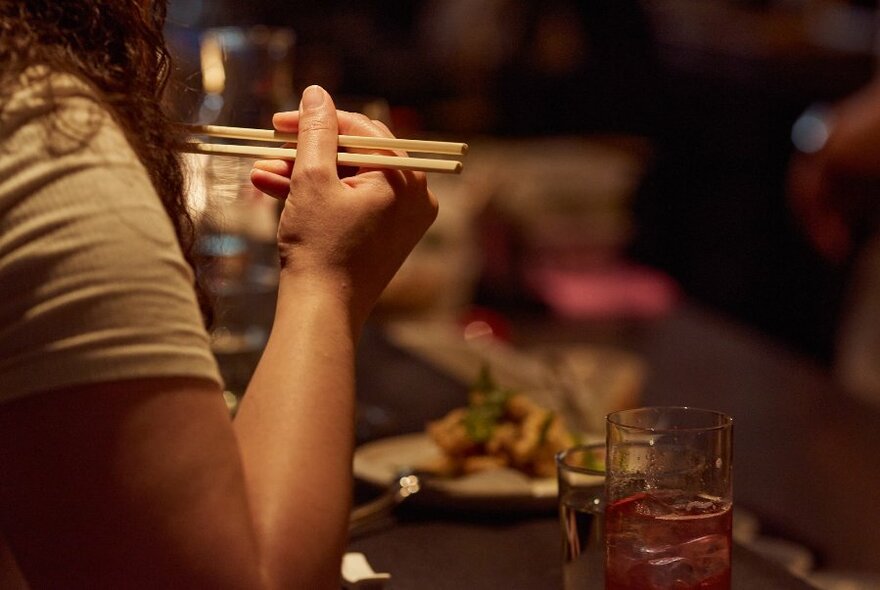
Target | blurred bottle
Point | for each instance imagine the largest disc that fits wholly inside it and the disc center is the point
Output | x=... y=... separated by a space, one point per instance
x=244 y=76
x=247 y=75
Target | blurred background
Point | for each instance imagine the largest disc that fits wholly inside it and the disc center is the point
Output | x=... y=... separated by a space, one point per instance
x=625 y=155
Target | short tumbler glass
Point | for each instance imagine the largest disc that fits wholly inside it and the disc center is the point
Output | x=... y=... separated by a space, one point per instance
x=669 y=496
x=581 y=476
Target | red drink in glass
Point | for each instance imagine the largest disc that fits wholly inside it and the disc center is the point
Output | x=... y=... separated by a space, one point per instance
x=668 y=540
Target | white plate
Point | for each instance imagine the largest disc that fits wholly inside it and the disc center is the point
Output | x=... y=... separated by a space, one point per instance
x=378 y=462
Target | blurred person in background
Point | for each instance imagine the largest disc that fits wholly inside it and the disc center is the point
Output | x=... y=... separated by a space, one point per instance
x=713 y=211
x=119 y=464
x=834 y=190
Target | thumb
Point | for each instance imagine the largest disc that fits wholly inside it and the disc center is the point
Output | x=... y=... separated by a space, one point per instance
x=318 y=133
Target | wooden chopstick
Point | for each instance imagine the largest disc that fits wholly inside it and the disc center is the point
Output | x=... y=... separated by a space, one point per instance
x=343 y=158
x=351 y=141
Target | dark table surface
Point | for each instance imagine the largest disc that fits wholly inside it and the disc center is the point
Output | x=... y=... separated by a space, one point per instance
x=805 y=453
x=441 y=553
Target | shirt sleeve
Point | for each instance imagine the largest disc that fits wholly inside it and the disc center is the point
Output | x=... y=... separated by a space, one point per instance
x=93 y=285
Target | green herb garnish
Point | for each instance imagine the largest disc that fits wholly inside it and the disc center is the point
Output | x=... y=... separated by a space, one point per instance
x=487 y=406
x=545 y=428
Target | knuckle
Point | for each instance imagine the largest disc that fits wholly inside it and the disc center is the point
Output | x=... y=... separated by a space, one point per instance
x=311 y=172
x=433 y=206
x=383 y=127
x=313 y=124
x=419 y=183
x=362 y=120
x=420 y=180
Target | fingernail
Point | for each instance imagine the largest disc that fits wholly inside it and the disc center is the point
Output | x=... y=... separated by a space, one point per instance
x=312 y=98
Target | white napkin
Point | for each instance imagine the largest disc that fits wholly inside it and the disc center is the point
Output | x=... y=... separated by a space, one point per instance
x=358 y=574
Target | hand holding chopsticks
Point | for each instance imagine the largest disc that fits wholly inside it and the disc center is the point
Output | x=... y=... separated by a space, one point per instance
x=344 y=158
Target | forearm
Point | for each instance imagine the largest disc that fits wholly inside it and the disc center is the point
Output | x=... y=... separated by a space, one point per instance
x=295 y=429
x=340 y=242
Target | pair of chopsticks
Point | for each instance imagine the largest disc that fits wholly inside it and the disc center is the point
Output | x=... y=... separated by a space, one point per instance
x=344 y=158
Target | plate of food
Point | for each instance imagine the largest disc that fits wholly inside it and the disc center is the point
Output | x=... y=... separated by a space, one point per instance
x=497 y=453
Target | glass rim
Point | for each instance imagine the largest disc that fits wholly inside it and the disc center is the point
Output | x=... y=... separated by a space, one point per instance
x=560 y=459
x=725 y=422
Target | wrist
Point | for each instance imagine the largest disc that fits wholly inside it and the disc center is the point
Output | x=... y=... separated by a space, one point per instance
x=326 y=297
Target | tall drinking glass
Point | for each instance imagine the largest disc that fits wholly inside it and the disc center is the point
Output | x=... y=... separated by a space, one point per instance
x=668 y=517
x=581 y=476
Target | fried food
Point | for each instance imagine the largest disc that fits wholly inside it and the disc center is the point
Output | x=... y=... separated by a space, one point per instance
x=499 y=428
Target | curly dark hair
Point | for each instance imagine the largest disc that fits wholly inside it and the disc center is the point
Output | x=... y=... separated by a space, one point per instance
x=117 y=47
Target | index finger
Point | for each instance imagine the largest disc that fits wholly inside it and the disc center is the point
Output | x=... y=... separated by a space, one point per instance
x=347 y=123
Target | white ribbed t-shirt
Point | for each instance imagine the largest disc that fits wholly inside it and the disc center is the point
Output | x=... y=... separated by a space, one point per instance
x=93 y=285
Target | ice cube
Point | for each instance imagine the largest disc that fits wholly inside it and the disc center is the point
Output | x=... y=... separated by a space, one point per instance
x=646 y=504
x=699 y=507
x=709 y=554
x=665 y=573
x=679 y=566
